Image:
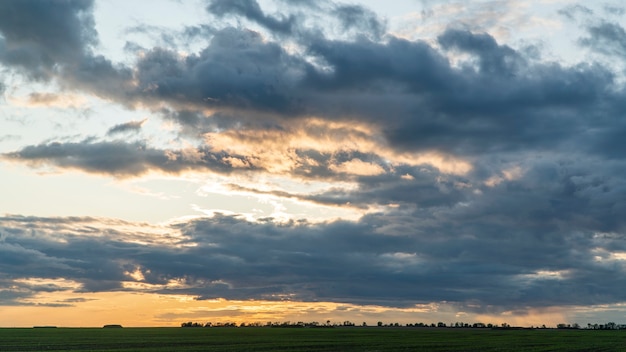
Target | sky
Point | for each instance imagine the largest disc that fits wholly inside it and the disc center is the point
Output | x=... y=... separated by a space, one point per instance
x=285 y=160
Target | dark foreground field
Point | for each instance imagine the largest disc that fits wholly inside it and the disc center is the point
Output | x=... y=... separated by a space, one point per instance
x=339 y=339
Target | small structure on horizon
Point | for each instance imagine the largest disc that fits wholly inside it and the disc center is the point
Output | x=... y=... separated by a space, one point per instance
x=112 y=326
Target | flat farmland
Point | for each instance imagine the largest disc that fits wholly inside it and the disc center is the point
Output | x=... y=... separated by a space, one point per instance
x=307 y=339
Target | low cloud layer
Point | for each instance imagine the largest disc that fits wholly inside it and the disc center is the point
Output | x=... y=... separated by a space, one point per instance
x=393 y=259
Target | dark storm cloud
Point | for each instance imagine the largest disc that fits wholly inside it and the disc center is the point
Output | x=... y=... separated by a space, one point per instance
x=500 y=102
x=238 y=69
x=121 y=159
x=496 y=101
x=37 y=35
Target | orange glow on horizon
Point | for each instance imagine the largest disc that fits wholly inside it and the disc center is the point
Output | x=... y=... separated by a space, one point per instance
x=132 y=309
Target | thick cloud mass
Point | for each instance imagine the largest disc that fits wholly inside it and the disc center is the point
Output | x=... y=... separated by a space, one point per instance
x=488 y=177
x=37 y=35
x=494 y=260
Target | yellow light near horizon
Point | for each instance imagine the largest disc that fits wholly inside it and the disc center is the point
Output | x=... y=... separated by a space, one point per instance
x=134 y=309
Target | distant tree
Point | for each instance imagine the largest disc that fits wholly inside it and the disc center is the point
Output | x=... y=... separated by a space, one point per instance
x=191 y=325
x=380 y=323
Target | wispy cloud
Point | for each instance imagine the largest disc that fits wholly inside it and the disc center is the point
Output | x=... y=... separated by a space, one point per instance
x=132 y=126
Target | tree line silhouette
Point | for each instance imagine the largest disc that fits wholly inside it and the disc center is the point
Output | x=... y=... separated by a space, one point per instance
x=347 y=323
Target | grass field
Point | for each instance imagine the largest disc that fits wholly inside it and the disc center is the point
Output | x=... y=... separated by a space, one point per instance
x=339 y=339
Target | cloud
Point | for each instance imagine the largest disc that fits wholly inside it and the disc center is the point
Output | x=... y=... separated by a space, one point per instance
x=37 y=35
x=9 y=137
x=359 y=167
x=120 y=159
x=51 y=100
x=484 y=260
x=251 y=10
x=132 y=126
x=237 y=69
x=608 y=38
x=495 y=101
x=360 y=19
x=571 y=11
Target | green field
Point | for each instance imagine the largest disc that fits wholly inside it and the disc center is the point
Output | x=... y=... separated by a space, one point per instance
x=338 y=339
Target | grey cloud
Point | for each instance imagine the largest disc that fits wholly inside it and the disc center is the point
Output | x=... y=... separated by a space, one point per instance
x=508 y=103
x=607 y=38
x=500 y=103
x=492 y=260
x=572 y=11
x=488 y=251
x=361 y=19
x=614 y=10
x=120 y=159
x=408 y=88
x=38 y=34
x=237 y=69
x=132 y=126
x=45 y=40
x=9 y=137
x=251 y=10
x=356 y=19
x=493 y=58
x=426 y=188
